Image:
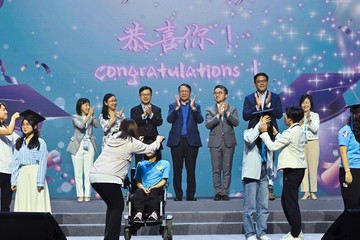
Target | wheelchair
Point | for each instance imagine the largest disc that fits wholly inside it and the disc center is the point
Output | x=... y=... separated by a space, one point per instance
x=164 y=221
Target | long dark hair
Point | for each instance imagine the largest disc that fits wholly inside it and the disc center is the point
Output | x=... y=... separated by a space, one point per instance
x=105 y=108
x=129 y=128
x=34 y=141
x=270 y=130
x=354 y=123
x=2 y=123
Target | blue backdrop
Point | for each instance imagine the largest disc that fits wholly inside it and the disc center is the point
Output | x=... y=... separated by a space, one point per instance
x=66 y=49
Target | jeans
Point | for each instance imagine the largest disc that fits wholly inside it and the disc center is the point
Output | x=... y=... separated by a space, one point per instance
x=256 y=201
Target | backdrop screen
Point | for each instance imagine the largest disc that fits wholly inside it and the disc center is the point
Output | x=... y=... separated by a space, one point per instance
x=55 y=52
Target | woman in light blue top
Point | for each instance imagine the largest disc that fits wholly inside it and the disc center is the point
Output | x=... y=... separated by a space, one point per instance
x=29 y=167
x=310 y=125
x=349 y=149
x=110 y=119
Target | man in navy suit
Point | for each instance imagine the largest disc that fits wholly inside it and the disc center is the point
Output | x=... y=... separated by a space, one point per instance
x=147 y=116
x=184 y=140
x=263 y=102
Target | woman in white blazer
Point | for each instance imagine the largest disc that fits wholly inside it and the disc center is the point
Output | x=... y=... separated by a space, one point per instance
x=82 y=147
x=310 y=125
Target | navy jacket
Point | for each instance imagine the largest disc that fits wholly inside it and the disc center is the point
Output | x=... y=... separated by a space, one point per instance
x=176 y=119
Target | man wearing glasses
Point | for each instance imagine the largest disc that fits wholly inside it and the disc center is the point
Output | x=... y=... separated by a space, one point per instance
x=184 y=140
x=147 y=116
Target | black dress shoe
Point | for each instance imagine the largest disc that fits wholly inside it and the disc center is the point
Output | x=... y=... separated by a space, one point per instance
x=178 y=199
x=225 y=197
x=217 y=197
x=191 y=199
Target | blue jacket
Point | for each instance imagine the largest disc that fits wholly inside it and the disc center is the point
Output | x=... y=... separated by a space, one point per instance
x=176 y=119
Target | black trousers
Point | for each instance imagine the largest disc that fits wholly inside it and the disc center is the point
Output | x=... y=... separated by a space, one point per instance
x=180 y=153
x=112 y=196
x=350 y=192
x=141 y=200
x=290 y=198
x=6 y=192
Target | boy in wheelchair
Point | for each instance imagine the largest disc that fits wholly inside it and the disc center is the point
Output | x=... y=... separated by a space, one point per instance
x=150 y=176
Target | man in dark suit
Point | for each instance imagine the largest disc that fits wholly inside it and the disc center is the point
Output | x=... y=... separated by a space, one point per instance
x=184 y=140
x=147 y=116
x=221 y=120
x=265 y=103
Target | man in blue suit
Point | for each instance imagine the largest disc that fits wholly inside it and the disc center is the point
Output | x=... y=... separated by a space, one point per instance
x=263 y=102
x=184 y=140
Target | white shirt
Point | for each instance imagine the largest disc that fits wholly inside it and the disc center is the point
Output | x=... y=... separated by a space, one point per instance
x=311 y=128
x=7 y=143
x=291 y=144
x=113 y=163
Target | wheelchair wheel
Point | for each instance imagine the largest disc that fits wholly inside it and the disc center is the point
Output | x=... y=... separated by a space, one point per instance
x=169 y=228
x=165 y=233
x=127 y=233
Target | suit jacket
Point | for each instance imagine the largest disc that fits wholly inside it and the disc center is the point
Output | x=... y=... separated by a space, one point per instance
x=221 y=127
x=148 y=126
x=79 y=133
x=250 y=107
x=194 y=118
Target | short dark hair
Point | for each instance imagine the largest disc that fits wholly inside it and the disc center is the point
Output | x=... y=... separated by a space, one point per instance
x=185 y=85
x=79 y=103
x=294 y=113
x=145 y=88
x=221 y=87
x=307 y=96
x=261 y=74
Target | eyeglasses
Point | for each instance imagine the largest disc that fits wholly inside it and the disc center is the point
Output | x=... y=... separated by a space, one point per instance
x=261 y=81
x=184 y=91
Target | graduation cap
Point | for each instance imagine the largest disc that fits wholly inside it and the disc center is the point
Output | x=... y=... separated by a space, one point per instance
x=327 y=89
x=20 y=97
x=355 y=108
x=263 y=112
x=32 y=116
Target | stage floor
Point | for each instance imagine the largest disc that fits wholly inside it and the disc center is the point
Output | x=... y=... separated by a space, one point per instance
x=202 y=205
x=310 y=236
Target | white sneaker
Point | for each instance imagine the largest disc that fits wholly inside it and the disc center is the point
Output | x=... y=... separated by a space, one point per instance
x=288 y=236
x=138 y=217
x=264 y=237
x=253 y=237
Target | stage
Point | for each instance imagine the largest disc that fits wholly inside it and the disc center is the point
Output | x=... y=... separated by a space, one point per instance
x=203 y=217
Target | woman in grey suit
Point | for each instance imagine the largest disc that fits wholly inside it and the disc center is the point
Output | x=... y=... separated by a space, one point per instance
x=82 y=147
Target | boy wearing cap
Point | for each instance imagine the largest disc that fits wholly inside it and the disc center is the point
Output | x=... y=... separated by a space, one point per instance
x=349 y=149
x=291 y=144
x=29 y=167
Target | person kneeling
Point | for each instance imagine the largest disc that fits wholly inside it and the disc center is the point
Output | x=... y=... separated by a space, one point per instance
x=151 y=176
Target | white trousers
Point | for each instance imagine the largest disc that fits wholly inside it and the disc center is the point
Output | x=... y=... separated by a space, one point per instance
x=82 y=163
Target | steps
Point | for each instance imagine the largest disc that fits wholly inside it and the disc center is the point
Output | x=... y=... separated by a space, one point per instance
x=202 y=217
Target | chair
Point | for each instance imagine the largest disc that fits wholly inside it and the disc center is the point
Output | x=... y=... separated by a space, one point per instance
x=164 y=220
